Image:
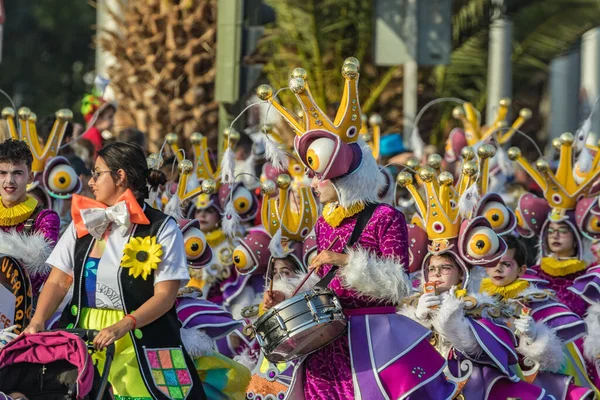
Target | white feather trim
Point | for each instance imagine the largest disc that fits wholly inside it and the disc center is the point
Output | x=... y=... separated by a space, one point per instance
x=173 y=208
x=416 y=142
x=591 y=343
x=546 y=349
x=31 y=250
x=228 y=167
x=231 y=220
x=152 y=197
x=505 y=165
x=451 y=323
x=275 y=246
x=378 y=278
x=362 y=185
x=246 y=172
x=468 y=201
x=582 y=133
x=288 y=285
x=410 y=312
x=197 y=342
x=275 y=155
x=247 y=358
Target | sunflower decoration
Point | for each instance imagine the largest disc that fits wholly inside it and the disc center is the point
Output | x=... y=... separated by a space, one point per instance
x=142 y=256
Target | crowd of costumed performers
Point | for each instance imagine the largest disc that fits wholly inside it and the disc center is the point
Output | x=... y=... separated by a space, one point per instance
x=340 y=264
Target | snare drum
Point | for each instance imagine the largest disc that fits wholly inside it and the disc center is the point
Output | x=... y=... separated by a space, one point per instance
x=300 y=325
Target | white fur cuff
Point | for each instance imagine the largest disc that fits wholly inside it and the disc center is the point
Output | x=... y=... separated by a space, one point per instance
x=197 y=342
x=410 y=312
x=451 y=323
x=288 y=285
x=591 y=343
x=546 y=349
x=379 y=278
x=31 y=250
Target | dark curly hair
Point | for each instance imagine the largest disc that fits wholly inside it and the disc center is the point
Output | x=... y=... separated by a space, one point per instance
x=15 y=152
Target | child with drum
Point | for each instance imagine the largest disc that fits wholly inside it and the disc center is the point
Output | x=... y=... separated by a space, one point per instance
x=362 y=262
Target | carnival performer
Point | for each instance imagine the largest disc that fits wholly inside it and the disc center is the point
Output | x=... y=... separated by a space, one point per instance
x=547 y=329
x=450 y=250
x=28 y=231
x=126 y=262
x=565 y=252
x=371 y=277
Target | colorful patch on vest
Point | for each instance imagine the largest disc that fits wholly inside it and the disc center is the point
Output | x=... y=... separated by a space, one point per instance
x=169 y=372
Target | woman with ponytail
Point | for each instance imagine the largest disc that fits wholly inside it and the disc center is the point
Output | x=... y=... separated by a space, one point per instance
x=126 y=262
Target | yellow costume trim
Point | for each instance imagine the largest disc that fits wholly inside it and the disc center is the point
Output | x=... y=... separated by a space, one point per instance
x=17 y=214
x=460 y=293
x=142 y=256
x=334 y=214
x=509 y=291
x=555 y=267
x=215 y=237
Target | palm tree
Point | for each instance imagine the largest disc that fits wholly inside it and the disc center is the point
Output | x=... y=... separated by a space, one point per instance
x=318 y=35
x=542 y=30
x=164 y=76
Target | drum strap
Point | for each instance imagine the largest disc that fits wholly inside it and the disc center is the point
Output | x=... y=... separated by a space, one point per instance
x=361 y=223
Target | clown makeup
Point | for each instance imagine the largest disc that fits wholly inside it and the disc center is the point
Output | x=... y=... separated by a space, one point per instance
x=507 y=271
x=444 y=271
x=561 y=240
x=324 y=190
x=284 y=268
x=209 y=219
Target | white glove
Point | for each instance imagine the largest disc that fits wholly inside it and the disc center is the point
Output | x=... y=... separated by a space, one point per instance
x=526 y=326
x=426 y=301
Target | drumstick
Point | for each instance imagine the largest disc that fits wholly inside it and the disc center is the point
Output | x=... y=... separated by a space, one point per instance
x=312 y=270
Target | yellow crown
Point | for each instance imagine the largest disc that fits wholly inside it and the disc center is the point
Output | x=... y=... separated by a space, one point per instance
x=372 y=137
x=186 y=168
x=438 y=205
x=295 y=217
x=202 y=164
x=563 y=188
x=347 y=122
x=27 y=132
x=475 y=133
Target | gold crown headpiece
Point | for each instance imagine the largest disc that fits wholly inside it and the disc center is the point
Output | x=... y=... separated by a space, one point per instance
x=295 y=217
x=202 y=165
x=347 y=121
x=27 y=132
x=475 y=132
x=438 y=204
x=565 y=187
x=373 y=136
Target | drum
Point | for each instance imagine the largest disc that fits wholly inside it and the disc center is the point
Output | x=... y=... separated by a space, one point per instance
x=15 y=295
x=300 y=325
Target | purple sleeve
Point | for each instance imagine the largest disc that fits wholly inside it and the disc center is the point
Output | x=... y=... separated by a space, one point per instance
x=48 y=223
x=393 y=233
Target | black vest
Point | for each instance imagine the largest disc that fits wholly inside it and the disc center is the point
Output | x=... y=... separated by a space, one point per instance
x=160 y=334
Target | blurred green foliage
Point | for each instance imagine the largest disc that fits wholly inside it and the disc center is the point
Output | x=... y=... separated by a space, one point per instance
x=47 y=51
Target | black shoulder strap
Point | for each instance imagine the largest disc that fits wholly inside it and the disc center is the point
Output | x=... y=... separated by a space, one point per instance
x=361 y=223
x=30 y=222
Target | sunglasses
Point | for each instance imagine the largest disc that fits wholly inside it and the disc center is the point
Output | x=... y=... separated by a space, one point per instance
x=96 y=174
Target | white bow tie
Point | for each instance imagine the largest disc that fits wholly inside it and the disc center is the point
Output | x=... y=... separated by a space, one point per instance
x=97 y=220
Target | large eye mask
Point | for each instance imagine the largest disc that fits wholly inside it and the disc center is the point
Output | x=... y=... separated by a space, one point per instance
x=319 y=154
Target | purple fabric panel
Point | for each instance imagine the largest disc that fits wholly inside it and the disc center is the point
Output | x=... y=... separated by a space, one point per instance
x=588 y=285
x=385 y=235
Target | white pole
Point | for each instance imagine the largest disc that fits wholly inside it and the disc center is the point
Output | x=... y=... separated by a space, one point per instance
x=104 y=22
x=564 y=93
x=590 y=78
x=499 y=84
